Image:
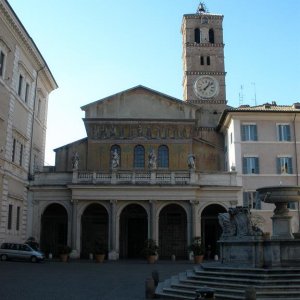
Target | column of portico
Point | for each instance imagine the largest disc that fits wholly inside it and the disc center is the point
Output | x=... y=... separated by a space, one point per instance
x=113 y=253
x=75 y=240
x=195 y=220
x=153 y=220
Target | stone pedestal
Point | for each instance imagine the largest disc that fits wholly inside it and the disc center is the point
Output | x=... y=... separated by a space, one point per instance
x=282 y=228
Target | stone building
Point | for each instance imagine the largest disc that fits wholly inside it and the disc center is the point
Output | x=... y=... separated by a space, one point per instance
x=262 y=146
x=25 y=85
x=150 y=166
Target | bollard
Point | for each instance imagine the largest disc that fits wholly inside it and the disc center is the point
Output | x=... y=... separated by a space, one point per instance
x=173 y=257
x=91 y=256
x=50 y=256
x=250 y=293
x=155 y=277
x=149 y=288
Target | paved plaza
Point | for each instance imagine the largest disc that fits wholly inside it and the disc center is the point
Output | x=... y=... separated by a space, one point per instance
x=124 y=280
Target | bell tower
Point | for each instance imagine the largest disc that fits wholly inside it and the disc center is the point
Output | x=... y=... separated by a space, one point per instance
x=203 y=64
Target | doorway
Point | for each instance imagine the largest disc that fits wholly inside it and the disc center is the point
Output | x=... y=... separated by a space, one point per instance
x=94 y=222
x=133 y=231
x=173 y=232
x=211 y=230
x=54 y=229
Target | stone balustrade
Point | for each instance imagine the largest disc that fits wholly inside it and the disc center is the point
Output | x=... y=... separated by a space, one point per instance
x=151 y=177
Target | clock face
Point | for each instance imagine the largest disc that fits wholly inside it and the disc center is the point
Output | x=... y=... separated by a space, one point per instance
x=206 y=87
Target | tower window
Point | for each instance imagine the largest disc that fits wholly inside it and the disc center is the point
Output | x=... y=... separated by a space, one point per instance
x=197 y=36
x=208 y=60
x=211 y=36
x=202 y=60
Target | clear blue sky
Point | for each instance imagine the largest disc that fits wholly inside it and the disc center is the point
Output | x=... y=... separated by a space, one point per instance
x=96 y=48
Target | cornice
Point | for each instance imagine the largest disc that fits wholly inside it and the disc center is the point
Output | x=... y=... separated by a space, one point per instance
x=207 y=101
x=25 y=41
x=205 y=73
x=220 y=45
x=199 y=16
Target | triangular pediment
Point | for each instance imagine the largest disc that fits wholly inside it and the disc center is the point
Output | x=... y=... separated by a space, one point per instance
x=139 y=103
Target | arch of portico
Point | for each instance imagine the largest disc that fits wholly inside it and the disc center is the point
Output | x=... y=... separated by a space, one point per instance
x=54 y=227
x=173 y=230
x=94 y=227
x=210 y=228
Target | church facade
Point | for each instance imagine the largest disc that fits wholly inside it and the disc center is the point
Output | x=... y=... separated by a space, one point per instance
x=153 y=166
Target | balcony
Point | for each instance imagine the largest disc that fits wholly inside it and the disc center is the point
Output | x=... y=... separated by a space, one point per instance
x=157 y=177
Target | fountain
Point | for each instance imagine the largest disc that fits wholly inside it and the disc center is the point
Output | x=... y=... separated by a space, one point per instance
x=242 y=243
x=269 y=265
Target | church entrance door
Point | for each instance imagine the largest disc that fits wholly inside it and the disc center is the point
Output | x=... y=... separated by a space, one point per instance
x=94 y=222
x=173 y=232
x=54 y=228
x=133 y=231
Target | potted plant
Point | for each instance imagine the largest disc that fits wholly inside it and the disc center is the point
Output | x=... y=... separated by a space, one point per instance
x=150 y=250
x=64 y=251
x=100 y=250
x=197 y=249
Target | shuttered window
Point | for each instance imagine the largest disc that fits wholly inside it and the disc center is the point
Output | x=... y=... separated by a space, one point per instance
x=284 y=165
x=249 y=132
x=250 y=165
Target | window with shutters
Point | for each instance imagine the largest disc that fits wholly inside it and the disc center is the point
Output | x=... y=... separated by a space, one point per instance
x=249 y=132
x=284 y=165
x=250 y=165
x=283 y=132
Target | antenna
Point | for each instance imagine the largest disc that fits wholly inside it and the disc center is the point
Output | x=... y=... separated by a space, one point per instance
x=254 y=89
x=241 y=95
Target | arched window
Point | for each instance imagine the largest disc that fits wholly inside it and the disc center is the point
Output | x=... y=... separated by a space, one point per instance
x=208 y=60
x=163 y=156
x=115 y=159
x=197 y=35
x=139 y=156
x=211 y=36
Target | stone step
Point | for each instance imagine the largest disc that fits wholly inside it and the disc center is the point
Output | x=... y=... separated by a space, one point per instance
x=217 y=267
x=246 y=281
x=185 y=284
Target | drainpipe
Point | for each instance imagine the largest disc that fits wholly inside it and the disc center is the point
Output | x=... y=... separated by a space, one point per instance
x=30 y=171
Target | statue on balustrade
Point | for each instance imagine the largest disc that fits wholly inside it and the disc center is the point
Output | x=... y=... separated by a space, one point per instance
x=152 y=160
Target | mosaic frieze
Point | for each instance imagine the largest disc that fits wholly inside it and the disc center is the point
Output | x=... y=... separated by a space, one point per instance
x=112 y=131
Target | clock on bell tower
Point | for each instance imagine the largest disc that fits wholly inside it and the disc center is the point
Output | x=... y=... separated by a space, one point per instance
x=203 y=64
